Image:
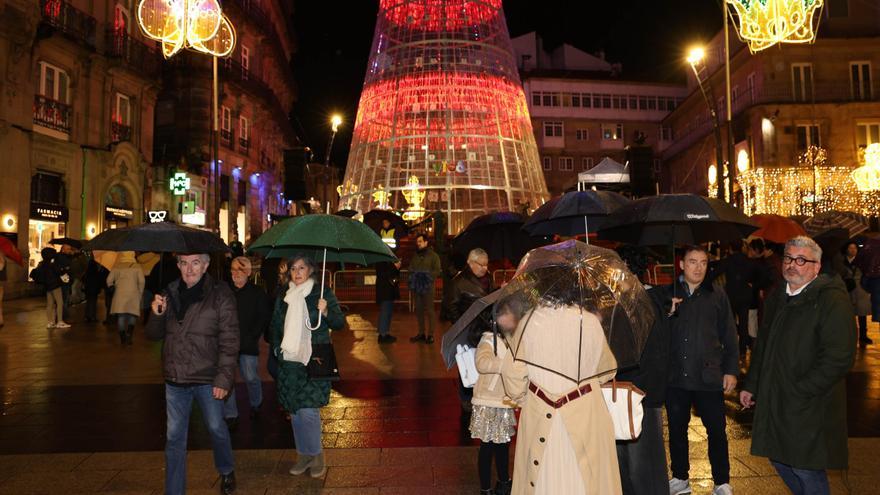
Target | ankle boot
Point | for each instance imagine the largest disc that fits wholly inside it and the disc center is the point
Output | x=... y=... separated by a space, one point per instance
x=317 y=468
x=487 y=492
x=503 y=487
x=302 y=464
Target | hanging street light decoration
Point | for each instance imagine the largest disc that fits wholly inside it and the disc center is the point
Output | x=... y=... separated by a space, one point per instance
x=195 y=24
x=764 y=23
x=867 y=177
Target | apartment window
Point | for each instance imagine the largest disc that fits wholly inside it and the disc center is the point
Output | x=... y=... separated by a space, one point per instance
x=536 y=98
x=122 y=110
x=547 y=163
x=243 y=128
x=612 y=131
x=245 y=61
x=606 y=101
x=586 y=100
x=582 y=134
x=802 y=82
x=566 y=99
x=54 y=83
x=553 y=129
x=652 y=103
x=860 y=80
x=566 y=163
x=643 y=102
x=576 y=100
x=225 y=119
x=633 y=102
x=665 y=133
x=807 y=135
x=586 y=163
x=867 y=133
x=546 y=99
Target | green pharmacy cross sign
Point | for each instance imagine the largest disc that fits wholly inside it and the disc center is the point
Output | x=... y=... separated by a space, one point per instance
x=180 y=183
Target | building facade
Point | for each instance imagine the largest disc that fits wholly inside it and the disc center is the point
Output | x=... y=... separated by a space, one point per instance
x=784 y=100
x=583 y=111
x=76 y=124
x=236 y=193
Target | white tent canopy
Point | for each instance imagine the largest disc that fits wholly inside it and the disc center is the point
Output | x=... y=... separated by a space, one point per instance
x=607 y=171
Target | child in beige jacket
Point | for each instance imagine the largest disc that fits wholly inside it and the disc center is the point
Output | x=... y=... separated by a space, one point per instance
x=492 y=419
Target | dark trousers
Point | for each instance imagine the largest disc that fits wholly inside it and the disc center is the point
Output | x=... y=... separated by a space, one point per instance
x=643 y=461
x=710 y=407
x=741 y=313
x=863 y=327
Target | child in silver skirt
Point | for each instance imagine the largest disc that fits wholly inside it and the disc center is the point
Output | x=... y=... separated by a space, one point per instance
x=492 y=419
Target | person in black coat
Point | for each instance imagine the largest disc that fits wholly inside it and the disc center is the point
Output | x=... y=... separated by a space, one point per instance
x=48 y=273
x=254 y=313
x=95 y=280
x=741 y=276
x=387 y=291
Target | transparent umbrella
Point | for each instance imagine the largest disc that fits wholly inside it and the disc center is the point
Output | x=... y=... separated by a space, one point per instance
x=581 y=299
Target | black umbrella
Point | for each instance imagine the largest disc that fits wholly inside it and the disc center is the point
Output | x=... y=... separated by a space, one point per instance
x=457 y=334
x=832 y=240
x=374 y=218
x=162 y=237
x=671 y=219
x=74 y=243
x=542 y=214
x=577 y=213
x=499 y=234
x=343 y=213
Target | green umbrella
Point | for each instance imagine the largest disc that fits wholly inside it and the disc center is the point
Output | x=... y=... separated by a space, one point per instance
x=335 y=238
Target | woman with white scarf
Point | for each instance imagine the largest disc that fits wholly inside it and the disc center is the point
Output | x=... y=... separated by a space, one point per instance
x=296 y=311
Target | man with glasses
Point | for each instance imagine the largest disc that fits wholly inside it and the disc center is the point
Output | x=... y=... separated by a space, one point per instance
x=796 y=379
x=198 y=318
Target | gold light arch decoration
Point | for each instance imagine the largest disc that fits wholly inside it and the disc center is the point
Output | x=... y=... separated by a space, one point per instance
x=867 y=177
x=195 y=24
x=764 y=23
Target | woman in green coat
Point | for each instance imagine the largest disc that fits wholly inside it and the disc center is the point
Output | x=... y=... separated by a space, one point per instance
x=297 y=311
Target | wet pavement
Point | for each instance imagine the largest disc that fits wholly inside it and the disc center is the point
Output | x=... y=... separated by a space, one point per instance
x=83 y=414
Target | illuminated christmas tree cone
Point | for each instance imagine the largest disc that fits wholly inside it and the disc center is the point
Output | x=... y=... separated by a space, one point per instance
x=442 y=122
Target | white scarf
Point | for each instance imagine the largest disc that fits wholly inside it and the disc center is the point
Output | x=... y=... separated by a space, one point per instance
x=296 y=345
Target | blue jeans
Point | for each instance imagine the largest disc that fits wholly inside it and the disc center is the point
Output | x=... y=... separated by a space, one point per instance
x=306 y=424
x=178 y=406
x=125 y=320
x=248 y=366
x=386 y=308
x=803 y=481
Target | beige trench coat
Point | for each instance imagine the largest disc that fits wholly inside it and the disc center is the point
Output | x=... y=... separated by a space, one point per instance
x=569 y=450
x=129 y=283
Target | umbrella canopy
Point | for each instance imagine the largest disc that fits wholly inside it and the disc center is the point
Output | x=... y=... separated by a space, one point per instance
x=347 y=213
x=576 y=293
x=499 y=234
x=577 y=213
x=540 y=215
x=776 y=228
x=162 y=237
x=10 y=251
x=74 y=243
x=832 y=241
x=346 y=240
x=458 y=332
x=374 y=218
x=676 y=219
x=868 y=259
x=853 y=222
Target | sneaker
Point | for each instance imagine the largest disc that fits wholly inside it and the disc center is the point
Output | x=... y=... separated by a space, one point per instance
x=227 y=483
x=317 y=468
x=430 y=339
x=417 y=338
x=387 y=339
x=50 y=325
x=302 y=464
x=62 y=324
x=724 y=489
x=679 y=487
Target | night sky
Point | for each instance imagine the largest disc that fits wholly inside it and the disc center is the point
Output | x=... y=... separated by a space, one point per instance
x=648 y=37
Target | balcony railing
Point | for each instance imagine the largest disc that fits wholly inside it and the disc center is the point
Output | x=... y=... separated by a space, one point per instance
x=119 y=132
x=69 y=20
x=227 y=138
x=138 y=56
x=52 y=114
x=244 y=145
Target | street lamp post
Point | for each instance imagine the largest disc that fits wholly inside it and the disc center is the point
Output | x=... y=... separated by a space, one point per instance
x=335 y=121
x=694 y=57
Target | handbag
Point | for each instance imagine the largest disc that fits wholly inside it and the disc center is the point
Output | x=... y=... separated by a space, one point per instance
x=322 y=365
x=624 y=401
x=467 y=367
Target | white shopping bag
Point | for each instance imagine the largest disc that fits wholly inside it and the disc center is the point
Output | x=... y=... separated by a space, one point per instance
x=467 y=368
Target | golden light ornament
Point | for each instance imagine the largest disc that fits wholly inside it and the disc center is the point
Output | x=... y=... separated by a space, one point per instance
x=867 y=177
x=195 y=24
x=381 y=196
x=414 y=196
x=713 y=174
x=764 y=23
x=742 y=161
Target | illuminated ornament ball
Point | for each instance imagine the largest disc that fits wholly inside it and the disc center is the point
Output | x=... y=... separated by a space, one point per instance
x=764 y=23
x=195 y=24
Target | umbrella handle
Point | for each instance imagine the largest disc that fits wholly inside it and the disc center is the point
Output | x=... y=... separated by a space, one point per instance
x=323 y=271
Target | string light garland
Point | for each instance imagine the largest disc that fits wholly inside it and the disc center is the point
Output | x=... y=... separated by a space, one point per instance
x=195 y=24
x=764 y=23
x=789 y=191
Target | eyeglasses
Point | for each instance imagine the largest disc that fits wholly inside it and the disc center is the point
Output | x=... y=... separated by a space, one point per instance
x=799 y=261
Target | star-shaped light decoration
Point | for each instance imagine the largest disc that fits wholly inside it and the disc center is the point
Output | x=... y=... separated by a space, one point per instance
x=195 y=24
x=867 y=177
x=764 y=23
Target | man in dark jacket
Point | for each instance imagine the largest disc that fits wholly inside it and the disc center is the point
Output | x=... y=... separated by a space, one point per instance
x=703 y=365
x=197 y=317
x=253 y=323
x=424 y=268
x=387 y=291
x=741 y=277
x=796 y=380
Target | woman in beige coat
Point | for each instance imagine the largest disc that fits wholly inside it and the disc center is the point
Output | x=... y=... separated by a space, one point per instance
x=128 y=278
x=565 y=438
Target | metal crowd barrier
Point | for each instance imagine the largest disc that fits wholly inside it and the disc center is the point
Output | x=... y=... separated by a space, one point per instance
x=661 y=275
x=501 y=277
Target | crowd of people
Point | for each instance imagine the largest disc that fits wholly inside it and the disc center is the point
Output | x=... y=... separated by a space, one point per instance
x=780 y=324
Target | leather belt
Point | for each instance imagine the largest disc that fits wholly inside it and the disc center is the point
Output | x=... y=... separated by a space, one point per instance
x=565 y=399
